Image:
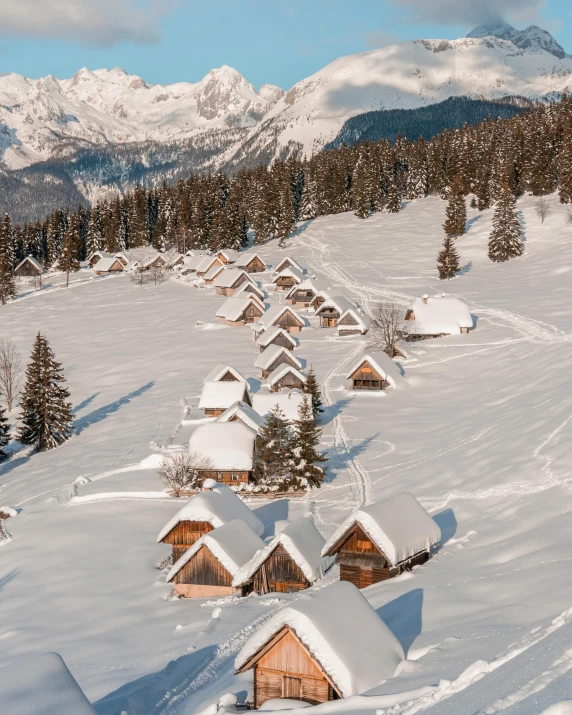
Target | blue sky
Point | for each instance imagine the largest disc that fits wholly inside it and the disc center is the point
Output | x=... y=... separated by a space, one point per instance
x=276 y=41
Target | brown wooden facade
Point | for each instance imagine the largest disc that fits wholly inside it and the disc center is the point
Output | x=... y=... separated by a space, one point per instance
x=278 y=574
x=289 y=322
x=230 y=290
x=214 y=262
x=348 y=325
x=301 y=297
x=228 y=377
x=27 y=270
x=329 y=317
x=288 y=381
x=184 y=535
x=281 y=340
x=203 y=575
x=317 y=302
x=157 y=262
x=366 y=377
x=251 y=314
x=225 y=477
x=285 y=282
x=116 y=267
x=255 y=265
x=282 y=359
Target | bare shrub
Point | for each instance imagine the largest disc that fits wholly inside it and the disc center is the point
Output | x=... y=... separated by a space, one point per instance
x=386 y=329
x=11 y=367
x=182 y=471
x=158 y=273
x=139 y=277
x=543 y=208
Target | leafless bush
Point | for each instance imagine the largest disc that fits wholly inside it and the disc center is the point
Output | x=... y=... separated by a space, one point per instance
x=543 y=208
x=159 y=274
x=10 y=372
x=386 y=329
x=140 y=277
x=37 y=282
x=181 y=471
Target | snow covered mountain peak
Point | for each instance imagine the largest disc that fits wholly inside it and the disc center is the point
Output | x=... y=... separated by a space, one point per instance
x=532 y=39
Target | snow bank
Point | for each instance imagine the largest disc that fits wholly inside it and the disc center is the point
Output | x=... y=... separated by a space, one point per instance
x=228 y=445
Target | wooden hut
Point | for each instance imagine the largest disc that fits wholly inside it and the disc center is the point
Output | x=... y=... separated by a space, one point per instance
x=352 y=322
x=291 y=562
x=374 y=371
x=288 y=262
x=240 y=310
x=325 y=645
x=251 y=263
x=287 y=278
x=214 y=506
x=218 y=396
x=250 y=288
x=435 y=317
x=273 y=357
x=241 y=412
x=301 y=295
x=332 y=309
x=109 y=264
x=319 y=299
x=276 y=336
x=282 y=316
x=96 y=256
x=227 y=282
x=227 y=450
x=227 y=255
x=157 y=261
x=205 y=265
x=224 y=373
x=286 y=377
x=28 y=268
x=382 y=540
x=211 y=275
x=289 y=402
x=122 y=257
x=208 y=567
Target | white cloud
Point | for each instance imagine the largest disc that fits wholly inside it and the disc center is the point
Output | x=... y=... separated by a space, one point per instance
x=470 y=12
x=97 y=22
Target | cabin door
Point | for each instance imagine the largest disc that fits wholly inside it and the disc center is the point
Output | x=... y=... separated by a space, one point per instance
x=291 y=688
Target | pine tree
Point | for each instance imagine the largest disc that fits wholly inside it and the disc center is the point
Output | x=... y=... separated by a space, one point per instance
x=306 y=439
x=308 y=201
x=448 y=259
x=505 y=241
x=4 y=434
x=46 y=411
x=7 y=283
x=273 y=452
x=456 y=212
x=68 y=261
x=393 y=203
x=312 y=388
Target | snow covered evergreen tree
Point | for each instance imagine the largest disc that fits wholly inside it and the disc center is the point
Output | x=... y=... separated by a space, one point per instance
x=46 y=411
x=456 y=211
x=307 y=435
x=68 y=261
x=393 y=202
x=447 y=259
x=505 y=240
x=273 y=453
x=4 y=434
x=312 y=388
x=308 y=200
x=7 y=283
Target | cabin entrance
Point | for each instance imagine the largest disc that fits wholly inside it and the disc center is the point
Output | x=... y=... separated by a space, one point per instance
x=330 y=322
x=291 y=688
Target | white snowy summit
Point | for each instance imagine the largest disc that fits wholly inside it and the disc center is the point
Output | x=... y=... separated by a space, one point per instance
x=532 y=39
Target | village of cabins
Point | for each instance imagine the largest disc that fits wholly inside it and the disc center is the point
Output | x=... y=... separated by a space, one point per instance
x=329 y=643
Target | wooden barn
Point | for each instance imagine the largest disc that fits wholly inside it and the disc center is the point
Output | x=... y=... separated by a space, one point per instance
x=217 y=396
x=96 y=256
x=325 y=645
x=157 y=261
x=28 y=268
x=291 y=562
x=250 y=288
x=241 y=412
x=240 y=310
x=109 y=264
x=286 y=377
x=288 y=262
x=275 y=356
x=227 y=256
x=214 y=506
x=224 y=373
x=287 y=278
x=251 y=263
x=206 y=263
x=227 y=449
x=332 y=310
x=227 y=282
x=282 y=316
x=301 y=295
x=382 y=540
x=289 y=402
x=435 y=317
x=276 y=336
x=374 y=371
x=211 y=275
x=208 y=567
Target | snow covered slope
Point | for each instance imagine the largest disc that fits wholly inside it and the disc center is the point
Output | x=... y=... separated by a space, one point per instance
x=532 y=39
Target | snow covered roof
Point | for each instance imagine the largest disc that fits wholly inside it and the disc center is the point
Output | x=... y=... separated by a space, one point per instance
x=30 y=259
x=313 y=284
x=220 y=395
x=220 y=370
x=283 y=370
x=233 y=545
x=290 y=273
x=271 y=354
x=285 y=262
x=229 y=277
x=361 y=321
x=399 y=526
x=343 y=633
x=245 y=413
x=233 y=308
x=269 y=335
x=275 y=312
x=251 y=287
x=41 y=684
x=381 y=363
x=440 y=314
x=288 y=400
x=207 y=263
x=244 y=259
x=302 y=541
x=213 y=271
x=325 y=294
x=228 y=254
x=339 y=302
x=229 y=446
x=217 y=506
x=106 y=263
x=157 y=258
x=195 y=261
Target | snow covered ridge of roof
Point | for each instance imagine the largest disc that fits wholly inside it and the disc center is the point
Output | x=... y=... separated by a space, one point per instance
x=41 y=684
x=381 y=363
x=233 y=308
x=250 y=287
x=275 y=312
x=228 y=277
x=283 y=370
x=228 y=254
x=302 y=541
x=213 y=272
x=342 y=631
x=228 y=445
x=232 y=544
x=399 y=526
x=287 y=259
x=106 y=263
x=207 y=263
x=338 y=302
x=195 y=261
x=245 y=258
x=273 y=332
x=289 y=272
x=220 y=395
x=30 y=259
x=245 y=414
x=289 y=402
x=216 y=507
x=272 y=353
x=313 y=284
x=220 y=370
x=440 y=314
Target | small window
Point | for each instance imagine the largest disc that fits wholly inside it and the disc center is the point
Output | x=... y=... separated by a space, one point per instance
x=235 y=477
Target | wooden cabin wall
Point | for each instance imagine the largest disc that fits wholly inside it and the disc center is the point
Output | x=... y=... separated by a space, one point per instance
x=255 y=266
x=203 y=569
x=27 y=271
x=348 y=320
x=282 y=359
x=225 y=477
x=184 y=535
x=289 y=322
x=366 y=378
x=252 y=314
x=288 y=382
x=279 y=574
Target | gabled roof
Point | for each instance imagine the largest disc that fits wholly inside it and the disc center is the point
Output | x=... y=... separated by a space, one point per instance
x=157 y=258
x=213 y=272
x=251 y=287
x=325 y=294
x=441 y=314
x=283 y=370
x=233 y=544
x=101 y=254
x=220 y=370
x=220 y=395
x=30 y=259
x=302 y=541
x=245 y=413
x=275 y=312
x=339 y=302
x=215 y=507
x=206 y=263
x=289 y=402
x=381 y=363
x=233 y=308
x=228 y=254
x=229 y=446
x=268 y=336
x=291 y=273
x=122 y=257
x=339 y=627
x=105 y=264
x=229 y=277
x=313 y=284
x=284 y=261
x=195 y=261
x=272 y=353
x=399 y=526
x=244 y=259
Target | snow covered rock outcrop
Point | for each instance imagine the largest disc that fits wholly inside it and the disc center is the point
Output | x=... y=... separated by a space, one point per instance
x=532 y=39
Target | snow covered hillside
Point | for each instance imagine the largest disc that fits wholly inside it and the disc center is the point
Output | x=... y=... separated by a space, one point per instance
x=482 y=437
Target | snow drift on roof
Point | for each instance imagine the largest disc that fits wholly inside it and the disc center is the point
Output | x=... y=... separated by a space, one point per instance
x=233 y=308
x=441 y=314
x=233 y=545
x=228 y=254
x=382 y=363
x=220 y=395
x=271 y=354
x=342 y=631
x=302 y=541
x=283 y=370
x=105 y=264
x=195 y=261
x=290 y=273
x=228 y=445
x=289 y=402
x=313 y=284
x=399 y=526
x=275 y=312
x=228 y=277
x=273 y=332
x=30 y=259
x=284 y=261
x=206 y=263
x=250 y=287
x=245 y=414
x=244 y=259
x=220 y=370
x=213 y=272
x=216 y=507
x=339 y=302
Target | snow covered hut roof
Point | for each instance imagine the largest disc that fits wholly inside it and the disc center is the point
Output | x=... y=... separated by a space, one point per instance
x=229 y=446
x=381 y=363
x=302 y=541
x=233 y=544
x=220 y=370
x=399 y=526
x=288 y=400
x=157 y=258
x=361 y=321
x=288 y=261
x=41 y=684
x=30 y=259
x=252 y=288
x=106 y=263
x=243 y=412
x=271 y=354
x=195 y=261
x=269 y=335
x=217 y=506
x=213 y=271
x=440 y=314
x=275 y=312
x=283 y=370
x=313 y=284
x=244 y=259
x=339 y=302
x=289 y=273
x=325 y=294
x=229 y=277
x=101 y=254
x=228 y=254
x=220 y=395
x=206 y=263
x=343 y=633
x=233 y=308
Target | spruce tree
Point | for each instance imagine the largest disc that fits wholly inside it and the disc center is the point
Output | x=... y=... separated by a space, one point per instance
x=447 y=259
x=68 y=261
x=4 y=434
x=273 y=452
x=7 y=283
x=46 y=411
x=307 y=435
x=393 y=203
x=308 y=200
x=505 y=241
x=313 y=388
x=456 y=212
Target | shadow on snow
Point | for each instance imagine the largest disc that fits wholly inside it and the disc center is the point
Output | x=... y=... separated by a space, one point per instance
x=103 y=412
x=404 y=617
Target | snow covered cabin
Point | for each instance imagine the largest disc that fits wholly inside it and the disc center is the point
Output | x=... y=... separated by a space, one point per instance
x=332 y=310
x=326 y=645
x=373 y=371
x=211 y=275
x=282 y=316
x=208 y=567
x=250 y=288
x=288 y=262
x=96 y=256
x=216 y=505
x=228 y=450
x=240 y=310
x=319 y=299
x=156 y=261
x=273 y=357
x=29 y=268
x=437 y=316
x=291 y=562
x=109 y=264
x=382 y=540
x=251 y=262
x=193 y=262
x=286 y=377
x=218 y=396
x=206 y=264
x=241 y=412
x=227 y=255
x=227 y=282
x=276 y=336
x=289 y=402
x=224 y=373
x=287 y=278
x=301 y=295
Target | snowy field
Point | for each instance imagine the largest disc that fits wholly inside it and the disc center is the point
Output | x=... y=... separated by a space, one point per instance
x=482 y=436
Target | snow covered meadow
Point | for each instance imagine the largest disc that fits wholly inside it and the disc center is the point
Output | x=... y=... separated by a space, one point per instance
x=481 y=436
